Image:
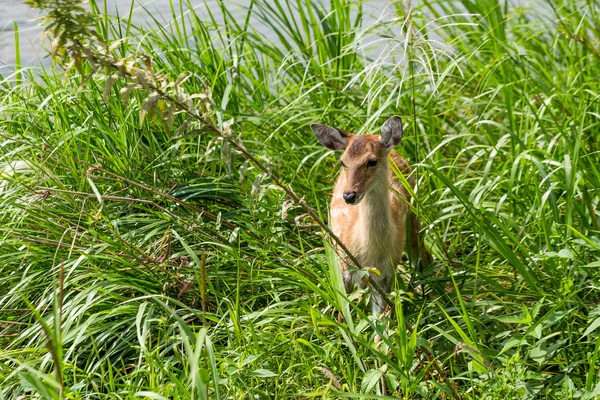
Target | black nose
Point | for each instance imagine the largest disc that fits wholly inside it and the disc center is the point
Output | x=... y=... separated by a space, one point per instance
x=350 y=197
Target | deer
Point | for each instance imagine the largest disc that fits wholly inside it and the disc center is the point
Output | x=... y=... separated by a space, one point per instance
x=369 y=210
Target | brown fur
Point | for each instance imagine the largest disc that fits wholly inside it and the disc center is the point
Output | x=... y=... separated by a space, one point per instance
x=375 y=228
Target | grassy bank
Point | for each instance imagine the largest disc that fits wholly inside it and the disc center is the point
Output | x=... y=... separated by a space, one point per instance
x=144 y=257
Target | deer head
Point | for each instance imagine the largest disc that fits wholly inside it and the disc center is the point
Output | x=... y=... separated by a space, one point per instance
x=365 y=157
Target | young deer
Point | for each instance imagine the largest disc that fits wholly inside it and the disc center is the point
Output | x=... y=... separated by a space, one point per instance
x=369 y=211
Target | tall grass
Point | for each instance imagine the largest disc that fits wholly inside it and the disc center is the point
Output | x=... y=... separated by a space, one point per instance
x=143 y=261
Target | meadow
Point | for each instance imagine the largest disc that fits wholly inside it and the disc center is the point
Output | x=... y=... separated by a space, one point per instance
x=144 y=252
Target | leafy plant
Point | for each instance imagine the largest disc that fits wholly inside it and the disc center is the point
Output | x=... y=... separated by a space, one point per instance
x=148 y=249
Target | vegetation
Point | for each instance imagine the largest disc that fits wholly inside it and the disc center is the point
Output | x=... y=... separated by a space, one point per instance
x=144 y=254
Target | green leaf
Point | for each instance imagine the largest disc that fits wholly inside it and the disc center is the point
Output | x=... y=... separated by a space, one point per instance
x=538 y=354
x=263 y=373
x=149 y=394
x=371 y=379
x=513 y=341
x=523 y=318
x=592 y=327
x=554 y=318
x=32 y=383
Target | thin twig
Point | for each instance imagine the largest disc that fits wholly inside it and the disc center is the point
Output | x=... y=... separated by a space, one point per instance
x=200 y=211
x=14 y=322
x=203 y=285
x=111 y=198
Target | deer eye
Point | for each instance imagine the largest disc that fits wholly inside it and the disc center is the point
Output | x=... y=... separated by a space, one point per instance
x=343 y=165
x=372 y=162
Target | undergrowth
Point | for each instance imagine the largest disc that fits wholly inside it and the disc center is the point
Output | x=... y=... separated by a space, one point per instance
x=142 y=256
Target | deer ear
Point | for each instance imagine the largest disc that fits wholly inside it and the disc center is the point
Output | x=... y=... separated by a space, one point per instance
x=391 y=132
x=330 y=137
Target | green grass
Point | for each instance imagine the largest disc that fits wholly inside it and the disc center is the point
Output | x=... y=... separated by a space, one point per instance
x=142 y=261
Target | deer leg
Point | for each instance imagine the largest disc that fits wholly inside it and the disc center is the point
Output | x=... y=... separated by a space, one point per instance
x=420 y=258
x=378 y=304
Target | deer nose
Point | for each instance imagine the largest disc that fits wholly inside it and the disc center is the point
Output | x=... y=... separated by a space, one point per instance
x=350 y=197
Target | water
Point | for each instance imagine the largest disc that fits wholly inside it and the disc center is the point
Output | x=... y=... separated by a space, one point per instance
x=33 y=48
x=11 y=10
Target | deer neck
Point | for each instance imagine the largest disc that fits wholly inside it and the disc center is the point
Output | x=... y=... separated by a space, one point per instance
x=375 y=216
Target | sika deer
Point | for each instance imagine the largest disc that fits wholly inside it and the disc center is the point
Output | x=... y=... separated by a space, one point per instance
x=369 y=211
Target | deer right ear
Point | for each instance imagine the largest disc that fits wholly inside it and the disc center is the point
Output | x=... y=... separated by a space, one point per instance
x=391 y=132
x=330 y=137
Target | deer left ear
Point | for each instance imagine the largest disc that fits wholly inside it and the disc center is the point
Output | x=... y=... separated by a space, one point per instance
x=332 y=138
x=391 y=132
